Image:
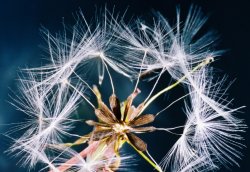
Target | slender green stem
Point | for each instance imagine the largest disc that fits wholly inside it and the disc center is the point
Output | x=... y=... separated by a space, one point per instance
x=146 y=158
x=205 y=62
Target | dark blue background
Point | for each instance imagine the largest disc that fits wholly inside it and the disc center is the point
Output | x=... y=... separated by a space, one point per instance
x=20 y=41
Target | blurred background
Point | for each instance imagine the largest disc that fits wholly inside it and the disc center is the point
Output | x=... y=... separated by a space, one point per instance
x=21 y=42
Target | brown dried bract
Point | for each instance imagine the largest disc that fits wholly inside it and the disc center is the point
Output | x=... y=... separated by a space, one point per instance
x=119 y=123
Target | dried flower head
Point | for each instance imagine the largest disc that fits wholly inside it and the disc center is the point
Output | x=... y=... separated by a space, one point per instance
x=119 y=124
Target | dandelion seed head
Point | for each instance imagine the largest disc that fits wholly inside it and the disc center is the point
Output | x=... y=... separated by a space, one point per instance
x=50 y=96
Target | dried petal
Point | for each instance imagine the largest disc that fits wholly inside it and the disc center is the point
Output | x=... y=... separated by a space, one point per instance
x=129 y=102
x=82 y=139
x=115 y=106
x=135 y=112
x=111 y=139
x=97 y=94
x=93 y=123
x=107 y=111
x=137 y=142
x=143 y=129
x=130 y=112
x=101 y=134
x=142 y=120
x=105 y=117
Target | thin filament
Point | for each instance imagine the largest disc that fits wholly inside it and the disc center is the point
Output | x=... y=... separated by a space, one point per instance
x=173 y=103
x=80 y=93
x=110 y=78
x=152 y=90
x=137 y=82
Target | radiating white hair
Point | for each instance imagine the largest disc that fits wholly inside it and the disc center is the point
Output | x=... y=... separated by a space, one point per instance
x=50 y=94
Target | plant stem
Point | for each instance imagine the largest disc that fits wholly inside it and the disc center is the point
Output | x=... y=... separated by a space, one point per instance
x=205 y=62
x=146 y=158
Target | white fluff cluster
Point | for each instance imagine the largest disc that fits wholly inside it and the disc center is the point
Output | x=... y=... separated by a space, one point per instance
x=48 y=119
x=211 y=134
x=50 y=94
